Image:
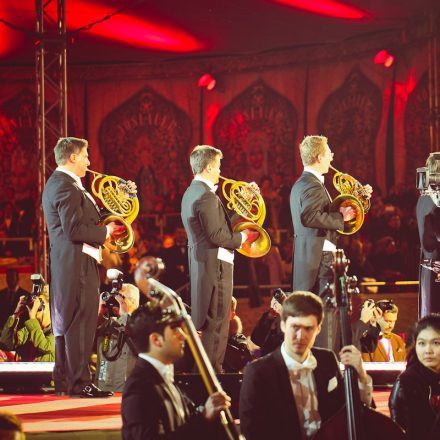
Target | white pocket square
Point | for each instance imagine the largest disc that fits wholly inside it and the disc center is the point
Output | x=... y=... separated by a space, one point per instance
x=332 y=384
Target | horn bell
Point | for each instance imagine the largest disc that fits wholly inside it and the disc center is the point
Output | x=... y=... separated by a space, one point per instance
x=345 y=200
x=123 y=243
x=259 y=247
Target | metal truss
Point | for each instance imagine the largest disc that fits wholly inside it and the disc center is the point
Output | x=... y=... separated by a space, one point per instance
x=51 y=99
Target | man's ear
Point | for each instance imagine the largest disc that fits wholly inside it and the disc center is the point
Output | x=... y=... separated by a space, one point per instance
x=155 y=340
x=283 y=326
x=319 y=329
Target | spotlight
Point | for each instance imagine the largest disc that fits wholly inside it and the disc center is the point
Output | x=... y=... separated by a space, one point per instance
x=207 y=81
x=384 y=57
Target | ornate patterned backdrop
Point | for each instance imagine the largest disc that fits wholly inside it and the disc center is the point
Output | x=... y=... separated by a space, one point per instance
x=417 y=129
x=147 y=139
x=350 y=117
x=257 y=133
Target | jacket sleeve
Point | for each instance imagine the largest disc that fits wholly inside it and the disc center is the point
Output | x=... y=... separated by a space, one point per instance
x=44 y=344
x=314 y=212
x=11 y=337
x=253 y=405
x=68 y=202
x=214 y=225
x=409 y=408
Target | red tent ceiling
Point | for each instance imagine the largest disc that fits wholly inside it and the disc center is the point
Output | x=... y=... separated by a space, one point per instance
x=151 y=30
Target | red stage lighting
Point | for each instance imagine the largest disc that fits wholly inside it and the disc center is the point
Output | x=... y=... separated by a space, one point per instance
x=329 y=8
x=384 y=57
x=207 y=81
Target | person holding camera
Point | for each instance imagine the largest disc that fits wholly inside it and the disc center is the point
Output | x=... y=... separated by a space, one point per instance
x=116 y=358
x=428 y=222
x=267 y=334
x=28 y=331
x=390 y=346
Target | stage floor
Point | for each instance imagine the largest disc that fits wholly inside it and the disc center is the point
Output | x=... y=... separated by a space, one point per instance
x=47 y=416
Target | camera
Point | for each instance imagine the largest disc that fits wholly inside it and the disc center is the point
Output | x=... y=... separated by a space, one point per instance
x=279 y=295
x=109 y=298
x=37 y=289
x=428 y=178
x=384 y=305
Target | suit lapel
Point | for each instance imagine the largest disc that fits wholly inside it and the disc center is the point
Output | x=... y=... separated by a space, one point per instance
x=284 y=393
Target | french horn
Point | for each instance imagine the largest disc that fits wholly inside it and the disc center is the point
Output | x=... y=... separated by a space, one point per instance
x=250 y=206
x=352 y=194
x=119 y=199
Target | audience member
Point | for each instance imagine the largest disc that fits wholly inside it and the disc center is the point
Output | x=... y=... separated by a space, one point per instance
x=415 y=398
x=390 y=347
x=11 y=427
x=116 y=358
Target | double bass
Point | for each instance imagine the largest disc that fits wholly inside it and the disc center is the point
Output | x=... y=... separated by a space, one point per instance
x=355 y=420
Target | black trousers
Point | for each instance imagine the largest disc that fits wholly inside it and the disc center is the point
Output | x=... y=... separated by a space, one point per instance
x=216 y=327
x=330 y=336
x=74 y=347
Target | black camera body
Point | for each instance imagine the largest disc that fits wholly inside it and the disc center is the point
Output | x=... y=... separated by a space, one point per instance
x=279 y=295
x=384 y=305
x=109 y=298
x=37 y=289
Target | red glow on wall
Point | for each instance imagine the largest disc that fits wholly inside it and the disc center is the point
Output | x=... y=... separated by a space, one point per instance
x=329 y=8
x=131 y=30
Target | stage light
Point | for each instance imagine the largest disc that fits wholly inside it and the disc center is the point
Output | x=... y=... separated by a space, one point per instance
x=384 y=57
x=207 y=81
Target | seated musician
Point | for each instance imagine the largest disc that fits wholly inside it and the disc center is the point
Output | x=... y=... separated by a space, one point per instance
x=152 y=406
x=289 y=392
x=390 y=346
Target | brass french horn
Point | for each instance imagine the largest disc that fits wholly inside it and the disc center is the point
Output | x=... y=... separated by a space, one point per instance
x=352 y=193
x=122 y=204
x=250 y=206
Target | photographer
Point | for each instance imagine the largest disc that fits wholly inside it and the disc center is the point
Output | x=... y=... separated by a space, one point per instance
x=28 y=330
x=390 y=347
x=115 y=357
x=428 y=222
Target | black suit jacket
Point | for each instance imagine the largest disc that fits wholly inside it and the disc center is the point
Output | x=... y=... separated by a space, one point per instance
x=208 y=227
x=267 y=405
x=313 y=223
x=148 y=409
x=72 y=220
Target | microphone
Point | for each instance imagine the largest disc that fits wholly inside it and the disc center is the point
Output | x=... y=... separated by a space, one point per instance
x=113 y=274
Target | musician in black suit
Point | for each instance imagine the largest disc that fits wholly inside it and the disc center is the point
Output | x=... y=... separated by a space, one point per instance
x=152 y=406
x=211 y=244
x=75 y=238
x=288 y=393
x=315 y=227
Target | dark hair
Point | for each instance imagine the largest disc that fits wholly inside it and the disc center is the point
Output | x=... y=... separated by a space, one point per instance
x=10 y=422
x=67 y=146
x=301 y=303
x=429 y=321
x=141 y=324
